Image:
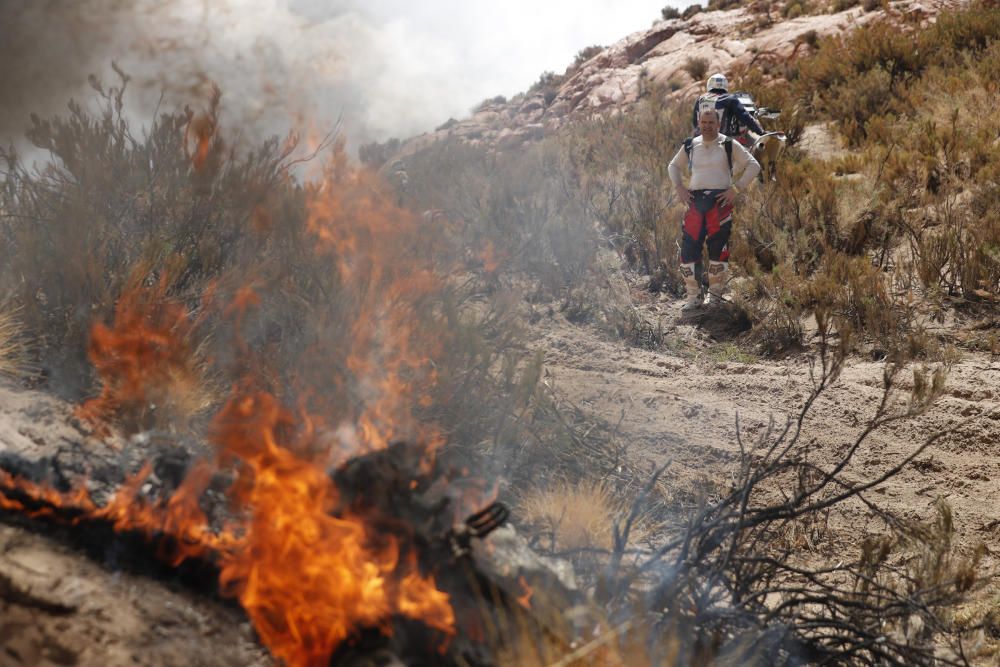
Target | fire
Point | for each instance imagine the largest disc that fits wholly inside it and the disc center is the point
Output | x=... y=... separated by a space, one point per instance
x=306 y=577
x=490 y=258
x=199 y=133
x=526 y=592
x=308 y=570
x=145 y=362
x=383 y=264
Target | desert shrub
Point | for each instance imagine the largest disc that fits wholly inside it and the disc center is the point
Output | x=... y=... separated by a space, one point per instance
x=810 y=38
x=619 y=165
x=517 y=201
x=15 y=346
x=375 y=154
x=718 y=5
x=792 y=10
x=988 y=68
x=696 y=68
x=743 y=558
x=691 y=10
x=447 y=125
x=585 y=54
x=547 y=86
x=670 y=12
x=489 y=102
x=107 y=202
x=842 y=5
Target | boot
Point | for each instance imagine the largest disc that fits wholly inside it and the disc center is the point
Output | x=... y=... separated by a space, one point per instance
x=718 y=276
x=691 y=286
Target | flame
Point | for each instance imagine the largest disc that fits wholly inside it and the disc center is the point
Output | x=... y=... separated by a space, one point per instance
x=526 y=592
x=200 y=130
x=383 y=263
x=490 y=258
x=145 y=362
x=308 y=572
x=307 y=578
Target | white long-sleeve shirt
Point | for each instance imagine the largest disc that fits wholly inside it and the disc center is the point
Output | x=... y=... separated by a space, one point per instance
x=710 y=168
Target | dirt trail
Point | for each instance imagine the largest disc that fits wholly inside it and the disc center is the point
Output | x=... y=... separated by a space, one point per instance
x=681 y=404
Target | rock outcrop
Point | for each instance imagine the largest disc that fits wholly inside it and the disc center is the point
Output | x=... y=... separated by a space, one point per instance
x=621 y=74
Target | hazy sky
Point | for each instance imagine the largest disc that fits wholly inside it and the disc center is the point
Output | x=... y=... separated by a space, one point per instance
x=387 y=67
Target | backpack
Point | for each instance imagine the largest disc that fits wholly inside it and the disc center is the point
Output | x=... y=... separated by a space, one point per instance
x=730 y=125
x=727 y=144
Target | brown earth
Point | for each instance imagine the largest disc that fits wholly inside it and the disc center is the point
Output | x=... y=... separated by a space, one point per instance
x=681 y=402
x=677 y=402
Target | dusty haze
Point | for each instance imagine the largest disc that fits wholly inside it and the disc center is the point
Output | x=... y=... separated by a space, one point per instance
x=387 y=68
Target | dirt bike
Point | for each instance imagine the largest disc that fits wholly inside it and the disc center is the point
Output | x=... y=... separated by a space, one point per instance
x=768 y=147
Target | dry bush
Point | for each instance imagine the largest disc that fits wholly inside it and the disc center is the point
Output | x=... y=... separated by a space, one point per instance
x=314 y=292
x=691 y=10
x=150 y=372
x=518 y=204
x=106 y=202
x=618 y=167
x=696 y=68
x=745 y=591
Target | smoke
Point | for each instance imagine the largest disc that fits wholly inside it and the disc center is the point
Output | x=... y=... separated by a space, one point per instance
x=386 y=68
x=47 y=48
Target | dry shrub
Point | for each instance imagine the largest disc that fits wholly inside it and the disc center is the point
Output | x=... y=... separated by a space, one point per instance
x=106 y=202
x=609 y=642
x=696 y=68
x=618 y=168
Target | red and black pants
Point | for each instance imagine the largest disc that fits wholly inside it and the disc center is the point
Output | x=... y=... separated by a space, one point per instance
x=707 y=222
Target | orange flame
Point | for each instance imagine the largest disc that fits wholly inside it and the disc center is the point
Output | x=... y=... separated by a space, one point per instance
x=379 y=252
x=308 y=573
x=144 y=360
x=199 y=131
x=307 y=578
x=490 y=258
x=526 y=592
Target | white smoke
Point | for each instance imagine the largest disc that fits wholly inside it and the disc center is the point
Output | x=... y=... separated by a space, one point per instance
x=385 y=68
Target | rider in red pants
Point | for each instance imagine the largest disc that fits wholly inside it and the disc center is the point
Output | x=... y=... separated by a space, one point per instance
x=711 y=158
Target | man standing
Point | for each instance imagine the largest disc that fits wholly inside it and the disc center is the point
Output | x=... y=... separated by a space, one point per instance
x=710 y=194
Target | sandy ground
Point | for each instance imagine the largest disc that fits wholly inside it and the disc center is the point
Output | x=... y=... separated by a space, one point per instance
x=676 y=403
x=59 y=607
x=680 y=403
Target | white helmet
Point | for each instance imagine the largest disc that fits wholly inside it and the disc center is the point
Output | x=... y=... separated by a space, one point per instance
x=717 y=82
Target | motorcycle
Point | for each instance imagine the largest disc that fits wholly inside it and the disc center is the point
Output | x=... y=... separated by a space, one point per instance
x=768 y=147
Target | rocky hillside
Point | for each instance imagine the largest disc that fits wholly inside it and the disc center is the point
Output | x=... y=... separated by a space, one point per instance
x=676 y=54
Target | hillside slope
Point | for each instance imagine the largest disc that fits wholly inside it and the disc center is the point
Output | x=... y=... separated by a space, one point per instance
x=756 y=37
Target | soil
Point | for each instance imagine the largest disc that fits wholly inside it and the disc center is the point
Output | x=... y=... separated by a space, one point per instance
x=681 y=403
x=677 y=402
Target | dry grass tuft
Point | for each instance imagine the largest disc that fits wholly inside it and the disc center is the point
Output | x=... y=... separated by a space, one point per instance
x=573 y=515
x=14 y=362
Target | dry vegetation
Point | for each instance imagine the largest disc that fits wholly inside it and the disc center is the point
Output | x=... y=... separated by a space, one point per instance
x=873 y=248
